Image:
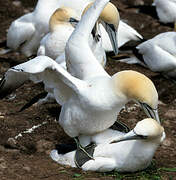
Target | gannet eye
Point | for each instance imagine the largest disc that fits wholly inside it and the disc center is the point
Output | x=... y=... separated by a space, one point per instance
x=140 y=136
x=73 y=20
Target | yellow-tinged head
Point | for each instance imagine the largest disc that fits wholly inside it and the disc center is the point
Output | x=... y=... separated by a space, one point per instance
x=63 y=15
x=109 y=15
x=149 y=127
x=133 y=85
x=136 y=86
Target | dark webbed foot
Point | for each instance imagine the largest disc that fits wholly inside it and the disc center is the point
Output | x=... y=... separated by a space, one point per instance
x=83 y=154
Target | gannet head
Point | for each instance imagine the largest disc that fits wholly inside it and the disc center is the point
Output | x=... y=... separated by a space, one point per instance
x=63 y=15
x=110 y=18
x=147 y=129
x=135 y=86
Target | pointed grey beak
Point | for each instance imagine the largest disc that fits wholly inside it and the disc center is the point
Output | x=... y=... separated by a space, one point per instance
x=152 y=113
x=110 y=29
x=129 y=136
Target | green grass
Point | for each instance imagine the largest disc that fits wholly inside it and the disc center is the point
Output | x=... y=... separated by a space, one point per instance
x=150 y=173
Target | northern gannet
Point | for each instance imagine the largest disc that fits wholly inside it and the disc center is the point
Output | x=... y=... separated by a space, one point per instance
x=26 y=32
x=131 y=152
x=94 y=45
x=53 y=44
x=166 y=10
x=61 y=25
x=91 y=106
x=61 y=29
x=158 y=54
x=125 y=32
x=80 y=59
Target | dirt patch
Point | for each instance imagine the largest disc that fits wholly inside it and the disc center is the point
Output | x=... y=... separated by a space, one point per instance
x=27 y=157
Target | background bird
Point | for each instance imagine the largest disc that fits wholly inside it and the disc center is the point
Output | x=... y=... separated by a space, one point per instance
x=157 y=54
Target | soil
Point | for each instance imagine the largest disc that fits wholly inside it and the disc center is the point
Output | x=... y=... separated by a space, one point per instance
x=27 y=157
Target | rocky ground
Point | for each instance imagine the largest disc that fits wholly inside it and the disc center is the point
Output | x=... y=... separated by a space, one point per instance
x=27 y=157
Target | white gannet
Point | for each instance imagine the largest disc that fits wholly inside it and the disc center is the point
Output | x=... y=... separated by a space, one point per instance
x=158 y=54
x=131 y=152
x=81 y=60
x=166 y=10
x=61 y=25
x=125 y=32
x=26 y=32
x=61 y=28
x=94 y=45
x=91 y=106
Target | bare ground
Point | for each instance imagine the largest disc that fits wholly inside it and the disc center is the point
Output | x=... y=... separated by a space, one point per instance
x=27 y=157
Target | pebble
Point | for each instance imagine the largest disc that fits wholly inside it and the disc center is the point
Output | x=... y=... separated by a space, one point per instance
x=16 y=3
x=12 y=142
x=167 y=142
x=2 y=148
x=170 y=114
x=26 y=168
x=3 y=164
x=44 y=145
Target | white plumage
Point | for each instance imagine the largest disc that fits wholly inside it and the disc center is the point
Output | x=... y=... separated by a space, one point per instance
x=25 y=33
x=166 y=10
x=158 y=54
x=134 y=153
x=90 y=106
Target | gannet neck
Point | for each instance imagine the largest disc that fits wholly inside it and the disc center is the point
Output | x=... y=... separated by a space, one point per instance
x=89 y=19
x=44 y=3
x=136 y=86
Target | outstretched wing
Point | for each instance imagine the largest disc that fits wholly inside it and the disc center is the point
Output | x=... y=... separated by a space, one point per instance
x=43 y=68
x=12 y=80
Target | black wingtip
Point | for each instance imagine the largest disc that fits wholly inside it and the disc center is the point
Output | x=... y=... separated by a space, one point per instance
x=120 y=126
x=65 y=148
x=3 y=92
x=33 y=101
x=138 y=55
x=3 y=44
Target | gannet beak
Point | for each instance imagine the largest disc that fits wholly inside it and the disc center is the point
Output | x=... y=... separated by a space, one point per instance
x=73 y=21
x=113 y=36
x=129 y=136
x=152 y=113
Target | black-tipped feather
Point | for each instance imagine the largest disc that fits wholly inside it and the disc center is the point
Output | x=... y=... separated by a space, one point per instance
x=3 y=91
x=65 y=148
x=33 y=101
x=119 y=126
x=138 y=55
x=3 y=44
